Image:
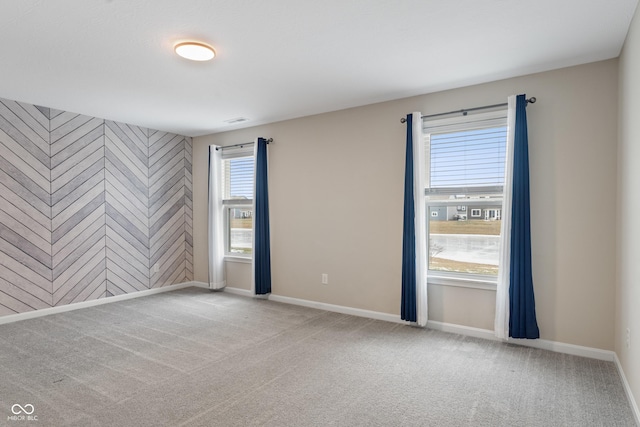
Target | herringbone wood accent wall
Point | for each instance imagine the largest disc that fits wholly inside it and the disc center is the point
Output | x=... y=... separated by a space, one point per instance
x=25 y=208
x=88 y=208
x=77 y=207
x=127 y=200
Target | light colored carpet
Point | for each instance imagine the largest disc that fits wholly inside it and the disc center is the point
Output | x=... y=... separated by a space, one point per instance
x=198 y=358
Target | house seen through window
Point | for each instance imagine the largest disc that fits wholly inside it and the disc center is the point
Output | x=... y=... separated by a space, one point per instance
x=465 y=163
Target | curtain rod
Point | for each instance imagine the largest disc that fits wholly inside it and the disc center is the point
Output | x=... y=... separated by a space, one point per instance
x=464 y=112
x=241 y=145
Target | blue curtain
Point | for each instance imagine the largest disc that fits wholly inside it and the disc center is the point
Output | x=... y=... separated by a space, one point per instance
x=522 y=307
x=262 y=247
x=408 y=304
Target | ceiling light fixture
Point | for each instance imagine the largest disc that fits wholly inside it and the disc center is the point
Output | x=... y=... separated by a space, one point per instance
x=195 y=51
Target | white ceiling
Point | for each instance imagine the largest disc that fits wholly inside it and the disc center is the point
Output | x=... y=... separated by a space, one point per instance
x=280 y=59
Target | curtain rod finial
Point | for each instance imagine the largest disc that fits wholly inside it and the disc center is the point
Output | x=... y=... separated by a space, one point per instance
x=403 y=120
x=532 y=100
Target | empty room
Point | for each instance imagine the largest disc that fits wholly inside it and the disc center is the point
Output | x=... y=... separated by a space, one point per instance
x=338 y=213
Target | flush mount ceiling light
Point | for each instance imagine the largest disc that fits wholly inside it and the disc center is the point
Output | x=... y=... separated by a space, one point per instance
x=195 y=51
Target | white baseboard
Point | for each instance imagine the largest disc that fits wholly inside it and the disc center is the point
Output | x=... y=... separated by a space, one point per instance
x=627 y=389
x=84 y=304
x=201 y=284
x=338 y=308
x=462 y=330
x=238 y=291
x=229 y=289
x=558 y=347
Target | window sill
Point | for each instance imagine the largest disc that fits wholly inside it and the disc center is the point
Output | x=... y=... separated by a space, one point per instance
x=466 y=282
x=238 y=259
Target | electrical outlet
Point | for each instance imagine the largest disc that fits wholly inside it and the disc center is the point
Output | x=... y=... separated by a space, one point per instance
x=628 y=338
x=156 y=268
x=325 y=279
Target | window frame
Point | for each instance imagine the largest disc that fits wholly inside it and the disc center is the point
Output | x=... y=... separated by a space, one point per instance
x=227 y=229
x=228 y=204
x=450 y=125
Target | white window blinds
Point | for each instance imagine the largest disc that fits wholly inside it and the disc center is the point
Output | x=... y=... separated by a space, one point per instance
x=466 y=153
x=237 y=176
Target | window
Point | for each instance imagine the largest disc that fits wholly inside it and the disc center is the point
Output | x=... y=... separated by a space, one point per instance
x=465 y=160
x=237 y=199
x=491 y=214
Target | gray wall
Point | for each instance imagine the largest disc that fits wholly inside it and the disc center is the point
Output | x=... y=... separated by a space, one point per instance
x=627 y=328
x=88 y=207
x=343 y=173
